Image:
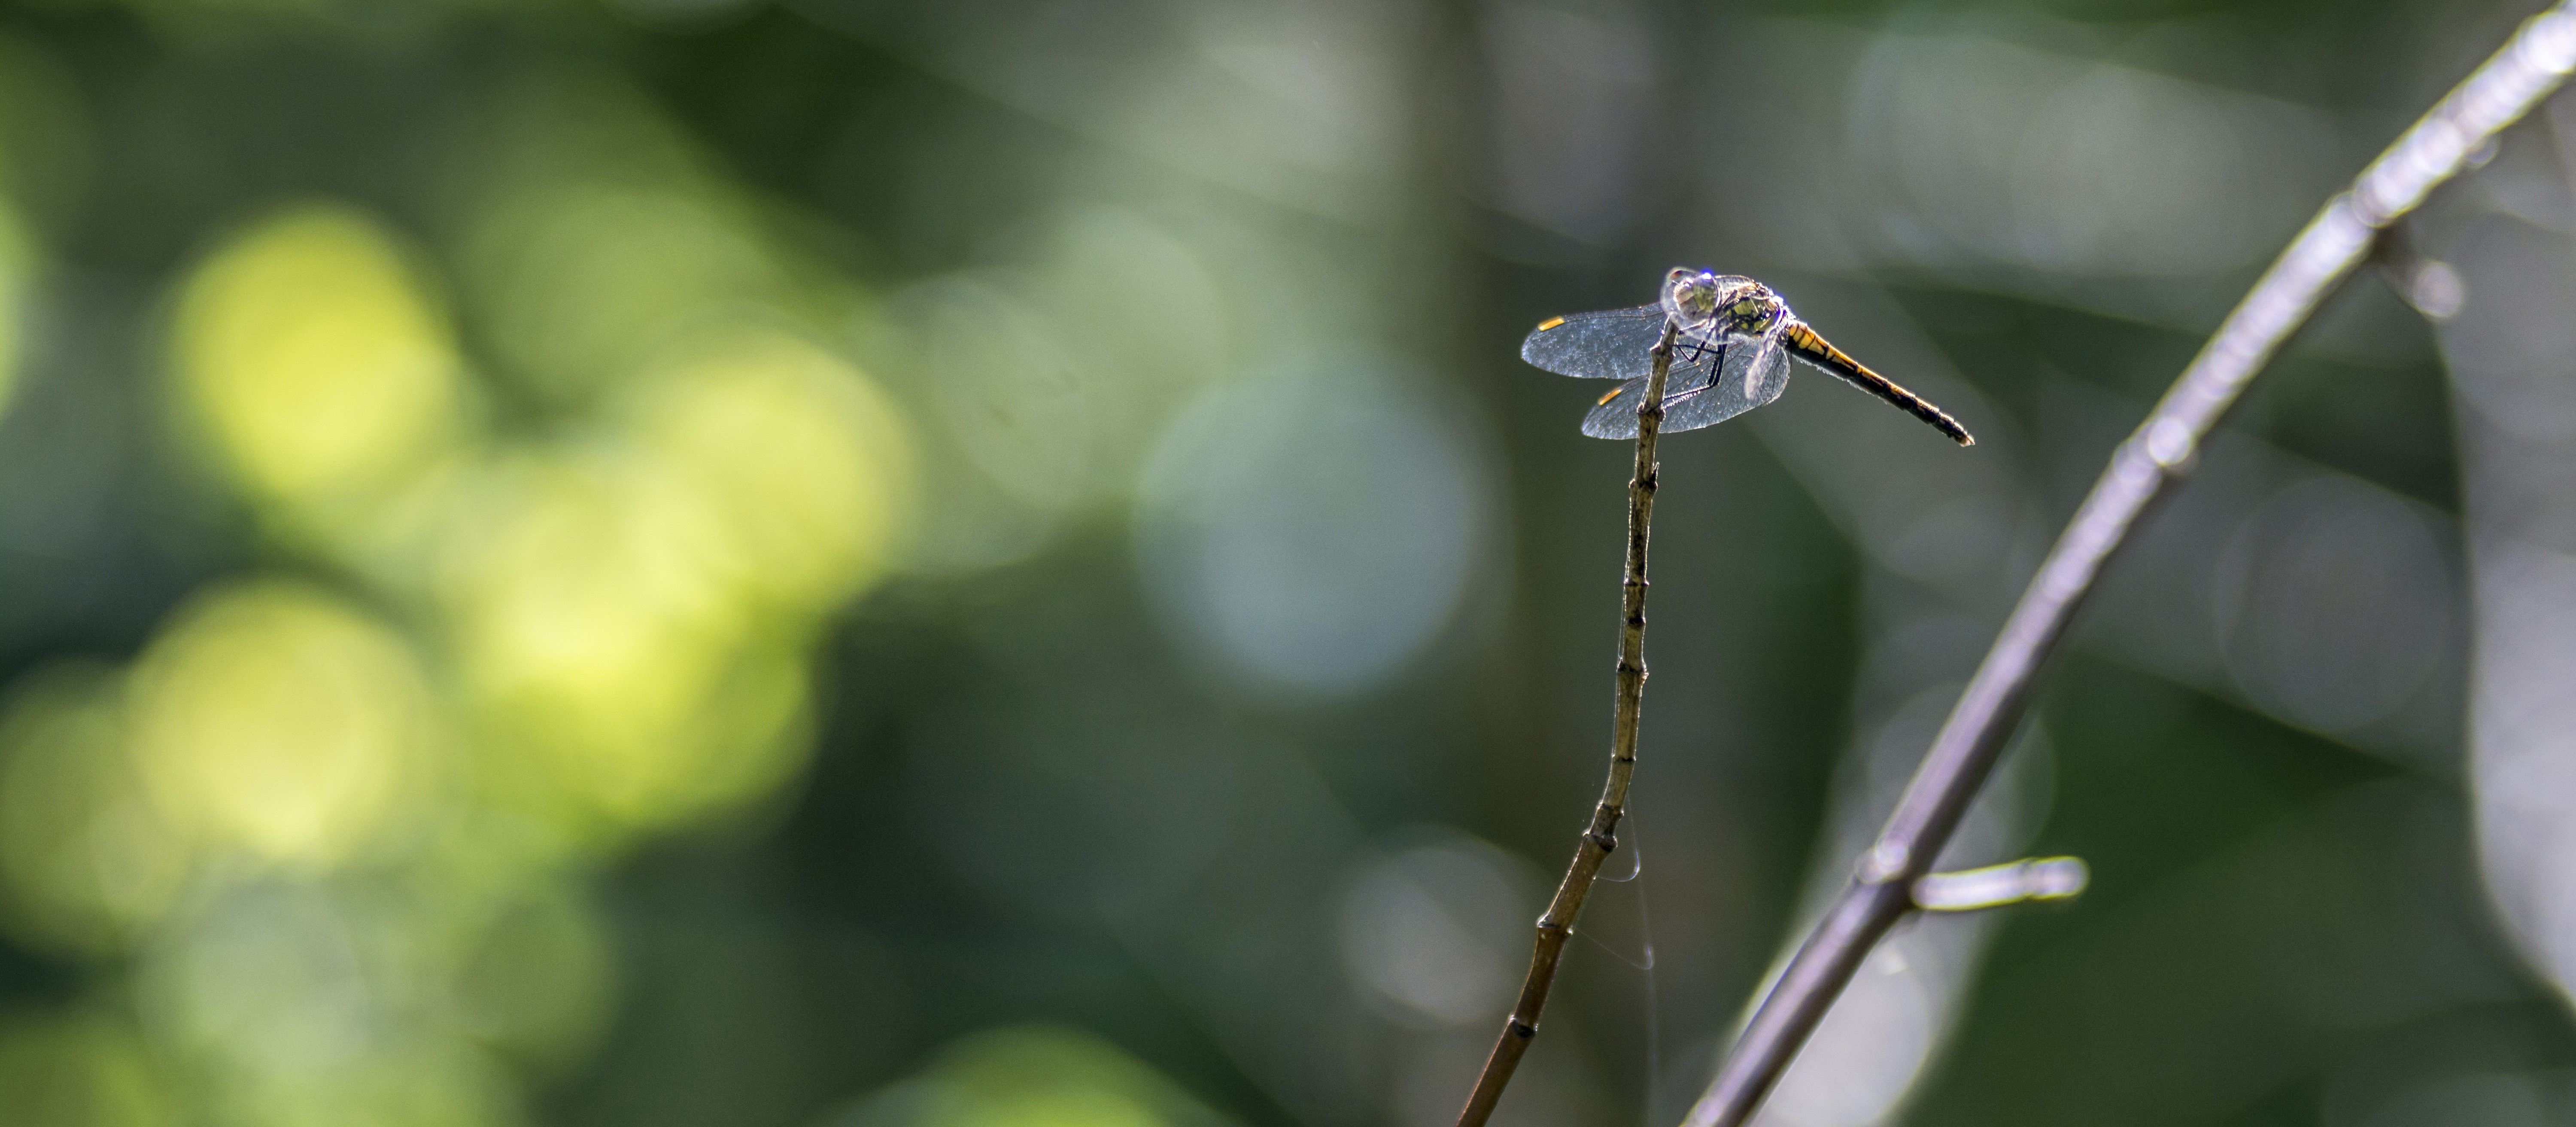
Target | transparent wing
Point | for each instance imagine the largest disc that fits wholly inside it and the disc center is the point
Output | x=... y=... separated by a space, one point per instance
x=1755 y=372
x=1608 y=344
x=1720 y=383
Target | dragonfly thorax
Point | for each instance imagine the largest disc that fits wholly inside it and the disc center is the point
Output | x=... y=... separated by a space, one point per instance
x=1718 y=304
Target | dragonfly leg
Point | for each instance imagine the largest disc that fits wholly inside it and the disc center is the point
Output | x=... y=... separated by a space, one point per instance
x=1690 y=352
x=1673 y=397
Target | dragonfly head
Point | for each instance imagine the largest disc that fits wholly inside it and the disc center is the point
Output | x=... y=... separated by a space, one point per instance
x=1697 y=297
x=1691 y=295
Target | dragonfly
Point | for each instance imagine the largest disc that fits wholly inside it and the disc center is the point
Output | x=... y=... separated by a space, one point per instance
x=1730 y=355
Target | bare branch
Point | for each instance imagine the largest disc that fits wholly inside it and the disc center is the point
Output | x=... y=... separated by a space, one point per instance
x=1598 y=839
x=2534 y=63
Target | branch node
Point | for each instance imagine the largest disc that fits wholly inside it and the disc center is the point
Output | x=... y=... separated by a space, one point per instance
x=1884 y=862
x=2169 y=443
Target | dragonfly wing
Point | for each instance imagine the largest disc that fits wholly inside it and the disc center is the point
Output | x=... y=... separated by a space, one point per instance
x=1765 y=373
x=1693 y=377
x=1751 y=372
x=1616 y=417
x=1745 y=373
x=1607 y=344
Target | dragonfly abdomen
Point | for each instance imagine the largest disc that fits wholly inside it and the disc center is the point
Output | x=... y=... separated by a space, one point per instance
x=1820 y=352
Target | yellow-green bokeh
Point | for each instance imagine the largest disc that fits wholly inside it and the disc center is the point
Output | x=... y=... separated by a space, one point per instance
x=303 y=1002
x=612 y=674
x=580 y=283
x=535 y=978
x=281 y=719
x=571 y=553
x=79 y=1070
x=1032 y=1076
x=630 y=616
x=88 y=859
x=315 y=363
x=800 y=464
x=591 y=235
x=16 y=262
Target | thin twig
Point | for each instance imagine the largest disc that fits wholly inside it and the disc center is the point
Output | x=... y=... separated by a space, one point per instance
x=1600 y=837
x=2506 y=86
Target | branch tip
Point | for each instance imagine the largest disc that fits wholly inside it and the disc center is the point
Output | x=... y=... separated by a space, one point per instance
x=2040 y=878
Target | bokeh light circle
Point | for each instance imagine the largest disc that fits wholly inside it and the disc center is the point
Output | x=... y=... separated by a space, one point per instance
x=276 y=717
x=1315 y=530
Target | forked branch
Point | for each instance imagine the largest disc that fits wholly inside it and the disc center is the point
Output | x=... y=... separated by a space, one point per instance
x=1598 y=839
x=2534 y=63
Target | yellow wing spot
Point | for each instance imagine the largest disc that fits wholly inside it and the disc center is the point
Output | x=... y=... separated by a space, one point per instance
x=1614 y=394
x=1550 y=323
